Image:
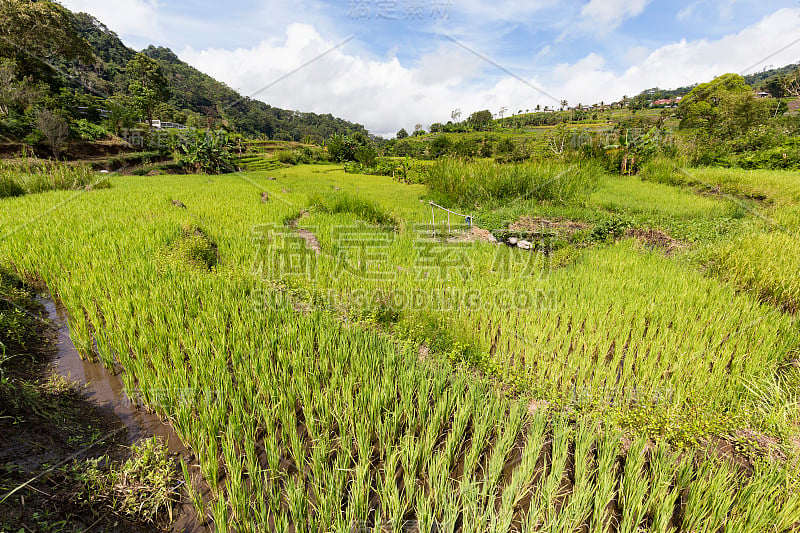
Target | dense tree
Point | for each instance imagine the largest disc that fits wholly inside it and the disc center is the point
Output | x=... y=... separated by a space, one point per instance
x=791 y=83
x=726 y=105
x=480 y=120
x=439 y=146
x=54 y=128
x=148 y=87
x=402 y=134
x=121 y=113
x=355 y=147
x=40 y=30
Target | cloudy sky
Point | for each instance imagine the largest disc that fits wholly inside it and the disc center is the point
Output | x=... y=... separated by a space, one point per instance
x=389 y=64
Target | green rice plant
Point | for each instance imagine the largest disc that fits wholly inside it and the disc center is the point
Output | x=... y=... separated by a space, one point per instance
x=633 y=487
x=507 y=438
x=298 y=502
x=662 y=169
x=411 y=458
x=550 y=492
x=762 y=262
x=579 y=506
x=393 y=503
x=522 y=478
x=608 y=445
x=762 y=504
x=358 y=497
x=710 y=497
x=668 y=476
x=777 y=186
x=323 y=422
x=633 y=196
x=220 y=516
x=481 y=426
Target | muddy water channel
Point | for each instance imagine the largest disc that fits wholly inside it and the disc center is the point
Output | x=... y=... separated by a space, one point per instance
x=106 y=391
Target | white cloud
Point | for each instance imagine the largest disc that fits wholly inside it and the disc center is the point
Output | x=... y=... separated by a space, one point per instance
x=385 y=94
x=133 y=18
x=686 y=62
x=608 y=14
x=724 y=9
x=380 y=93
x=686 y=12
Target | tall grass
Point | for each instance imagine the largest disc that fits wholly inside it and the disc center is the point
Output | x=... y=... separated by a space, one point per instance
x=485 y=183
x=10 y=187
x=32 y=178
x=358 y=206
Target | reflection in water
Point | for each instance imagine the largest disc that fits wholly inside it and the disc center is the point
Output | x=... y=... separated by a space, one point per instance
x=104 y=388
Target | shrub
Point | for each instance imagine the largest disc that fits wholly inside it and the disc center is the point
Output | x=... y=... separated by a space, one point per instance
x=47 y=176
x=88 y=131
x=194 y=249
x=611 y=228
x=208 y=153
x=54 y=129
x=287 y=157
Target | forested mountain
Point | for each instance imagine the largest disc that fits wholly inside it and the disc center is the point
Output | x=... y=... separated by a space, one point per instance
x=72 y=64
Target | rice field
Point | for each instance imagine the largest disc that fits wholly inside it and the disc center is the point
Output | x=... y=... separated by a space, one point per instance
x=405 y=378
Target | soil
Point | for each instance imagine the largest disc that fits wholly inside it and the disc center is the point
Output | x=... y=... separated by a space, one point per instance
x=654 y=239
x=475 y=234
x=312 y=243
x=562 y=227
x=48 y=423
x=744 y=447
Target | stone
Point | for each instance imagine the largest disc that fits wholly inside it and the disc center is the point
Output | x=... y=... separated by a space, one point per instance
x=524 y=245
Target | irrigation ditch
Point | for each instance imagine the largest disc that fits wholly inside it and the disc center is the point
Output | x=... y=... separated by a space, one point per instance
x=68 y=420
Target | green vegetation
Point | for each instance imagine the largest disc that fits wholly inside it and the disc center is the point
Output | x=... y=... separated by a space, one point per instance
x=484 y=183
x=359 y=207
x=341 y=354
x=41 y=176
x=281 y=367
x=142 y=488
x=72 y=65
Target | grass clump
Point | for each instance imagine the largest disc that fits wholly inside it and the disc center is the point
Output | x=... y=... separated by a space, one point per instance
x=361 y=208
x=484 y=183
x=142 y=488
x=193 y=249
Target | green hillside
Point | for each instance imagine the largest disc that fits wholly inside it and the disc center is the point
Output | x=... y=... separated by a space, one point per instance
x=71 y=63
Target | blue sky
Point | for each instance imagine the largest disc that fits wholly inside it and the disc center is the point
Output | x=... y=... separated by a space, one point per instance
x=413 y=61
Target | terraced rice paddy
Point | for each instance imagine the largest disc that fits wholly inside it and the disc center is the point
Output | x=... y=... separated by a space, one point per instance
x=405 y=379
